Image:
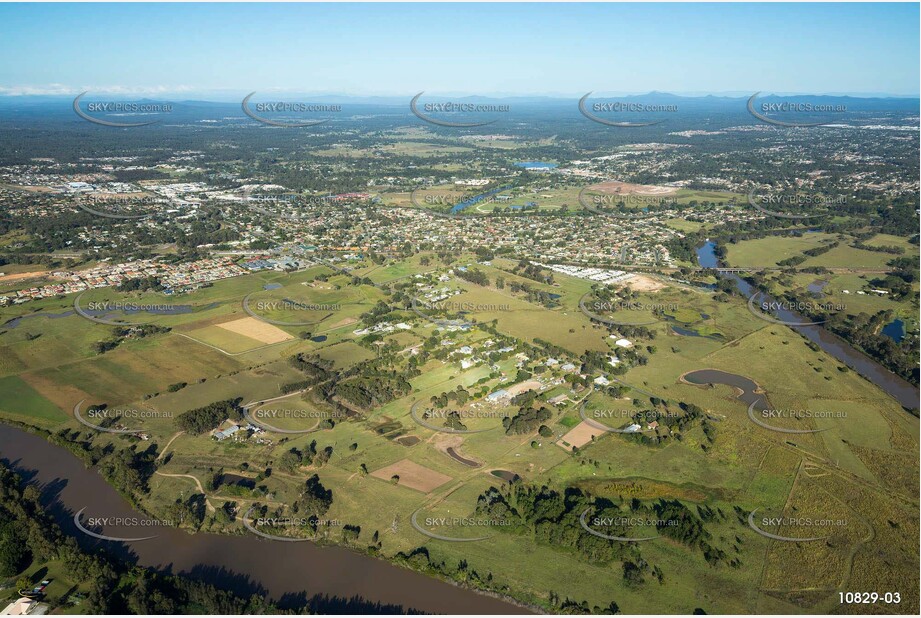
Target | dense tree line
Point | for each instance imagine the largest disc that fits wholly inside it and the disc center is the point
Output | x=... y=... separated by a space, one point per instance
x=208 y=417
x=526 y=421
x=140 y=284
x=121 y=333
x=29 y=535
x=473 y=275
x=553 y=518
x=368 y=392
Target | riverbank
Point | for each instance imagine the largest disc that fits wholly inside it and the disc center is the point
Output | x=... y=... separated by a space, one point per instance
x=283 y=572
x=901 y=390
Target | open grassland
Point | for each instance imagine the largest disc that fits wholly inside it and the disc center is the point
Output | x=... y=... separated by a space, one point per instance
x=251 y=384
x=253 y=328
x=138 y=368
x=65 y=587
x=888 y=240
x=345 y=354
x=536 y=195
x=416 y=148
x=569 y=330
x=394 y=506
x=814 y=569
x=48 y=333
x=395 y=270
x=846 y=256
x=841 y=290
x=296 y=412
x=860 y=467
x=21 y=402
x=683 y=225
x=690 y=196
x=225 y=340
x=769 y=251
x=407 y=473
x=787 y=368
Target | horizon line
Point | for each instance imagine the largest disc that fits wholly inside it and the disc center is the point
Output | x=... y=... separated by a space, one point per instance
x=226 y=93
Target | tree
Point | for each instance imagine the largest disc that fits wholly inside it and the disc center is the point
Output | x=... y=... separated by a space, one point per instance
x=214 y=480
x=315 y=498
x=290 y=460
x=14 y=556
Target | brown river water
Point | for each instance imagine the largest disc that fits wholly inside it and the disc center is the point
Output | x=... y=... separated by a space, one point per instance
x=288 y=573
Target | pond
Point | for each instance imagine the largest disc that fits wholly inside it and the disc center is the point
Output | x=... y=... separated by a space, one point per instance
x=535 y=165
x=895 y=330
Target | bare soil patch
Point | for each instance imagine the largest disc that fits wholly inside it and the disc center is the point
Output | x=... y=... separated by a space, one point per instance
x=616 y=187
x=412 y=475
x=62 y=395
x=18 y=276
x=644 y=283
x=256 y=329
x=524 y=387
x=579 y=436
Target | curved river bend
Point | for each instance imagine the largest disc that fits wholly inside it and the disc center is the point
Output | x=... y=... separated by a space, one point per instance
x=288 y=573
x=901 y=390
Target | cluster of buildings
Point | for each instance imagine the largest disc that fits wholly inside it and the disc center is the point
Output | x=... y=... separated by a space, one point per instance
x=382 y=328
x=232 y=431
x=348 y=197
x=269 y=262
x=430 y=294
x=173 y=277
x=192 y=275
x=601 y=275
x=51 y=176
x=343 y=223
x=540 y=383
x=480 y=354
x=550 y=238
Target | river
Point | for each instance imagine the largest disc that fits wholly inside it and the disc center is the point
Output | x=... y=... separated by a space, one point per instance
x=288 y=573
x=901 y=390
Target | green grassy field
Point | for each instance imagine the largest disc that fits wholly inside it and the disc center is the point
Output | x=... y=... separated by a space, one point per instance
x=67 y=590
x=22 y=402
x=537 y=195
x=733 y=467
x=843 y=290
x=765 y=252
x=768 y=251
x=225 y=340
x=568 y=329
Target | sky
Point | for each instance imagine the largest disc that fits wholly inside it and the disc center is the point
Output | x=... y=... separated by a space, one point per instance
x=483 y=49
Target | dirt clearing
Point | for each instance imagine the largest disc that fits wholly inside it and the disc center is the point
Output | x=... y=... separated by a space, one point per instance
x=524 y=387
x=412 y=475
x=644 y=283
x=579 y=436
x=256 y=329
x=616 y=187
x=18 y=276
